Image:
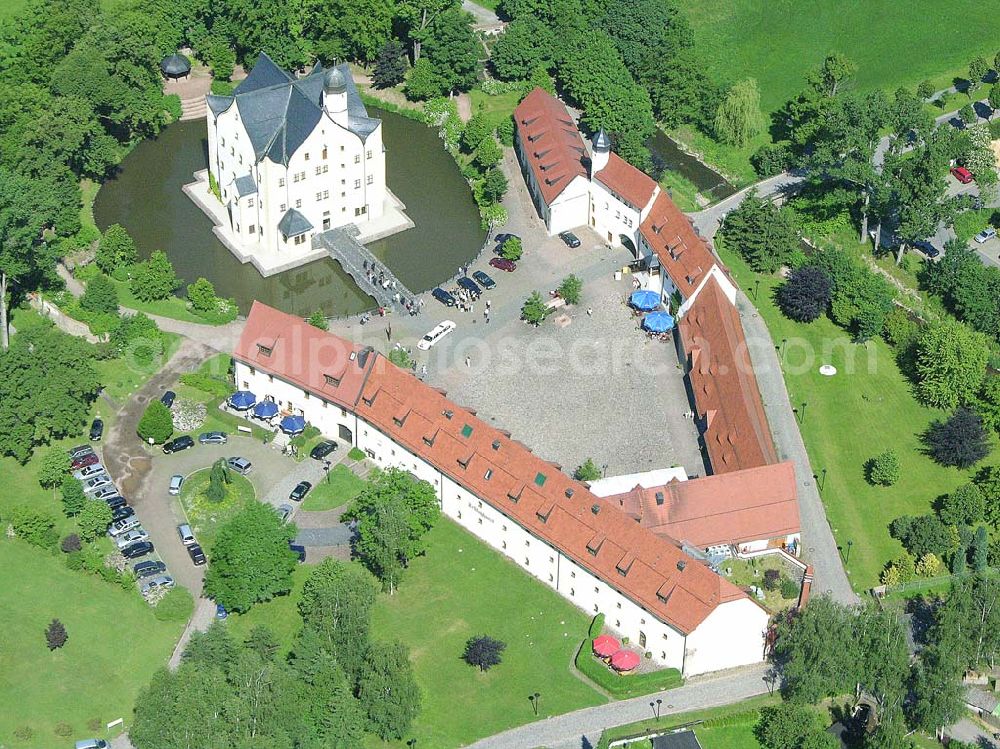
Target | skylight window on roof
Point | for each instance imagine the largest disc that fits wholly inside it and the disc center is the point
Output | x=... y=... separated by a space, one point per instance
x=488 y=474
x=447 y=413
x=467 y=431
x=264 y=350
x=331 y=380
x=540 y=479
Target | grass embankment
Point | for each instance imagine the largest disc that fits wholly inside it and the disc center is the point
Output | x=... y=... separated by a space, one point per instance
x=339 y=488
x=867 y=407
x=459 y=589
x=206 y=516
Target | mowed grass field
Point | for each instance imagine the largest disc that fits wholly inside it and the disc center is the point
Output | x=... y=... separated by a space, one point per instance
x=115 y=644
x=867 y=407
x=893 y=42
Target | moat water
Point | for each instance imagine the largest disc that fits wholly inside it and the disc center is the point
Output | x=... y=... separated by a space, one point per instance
x=146 y=198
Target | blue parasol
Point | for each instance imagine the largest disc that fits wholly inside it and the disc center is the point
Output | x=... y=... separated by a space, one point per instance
x=293 y=424
x=658 y=322
x=644 y=299
x=241 y=400
x=265 y=409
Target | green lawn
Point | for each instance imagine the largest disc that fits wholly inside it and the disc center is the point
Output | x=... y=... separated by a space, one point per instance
x=206 y=516
x=867 y=407
x=342 y=487
x=494 y=108
x=727 y=737
x=893 y=43
x=115 y=644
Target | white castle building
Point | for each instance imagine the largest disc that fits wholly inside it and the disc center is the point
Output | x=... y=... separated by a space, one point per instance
x=293 y=157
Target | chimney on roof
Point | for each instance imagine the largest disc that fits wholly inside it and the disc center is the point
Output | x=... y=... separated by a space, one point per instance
x=595 y=508
x=496 y=444
x=569 y=493
x=659 y=498
x=681 y=564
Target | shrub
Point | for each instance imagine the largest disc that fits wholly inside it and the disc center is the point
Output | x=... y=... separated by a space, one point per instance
x=55 y=634
x=318 y=320
x=958 y=441
x=355 y=454
x=156 y=423
x=806 y=294
x=401 y=358
x=771 y=159
x=35 y=526
x=201 y=295
x=587 y=471
x=63 y=729
x=222 y=88
x=505 y=131
x=900 y=329
x=206 y=383
x=24 y=733
x=172 y=106
x=176 y=606
x=771 y=579
x=70 y=543
x=928 y=565
x=100 y=296
x=789 y=589
x=138 y=338
x=883 y=469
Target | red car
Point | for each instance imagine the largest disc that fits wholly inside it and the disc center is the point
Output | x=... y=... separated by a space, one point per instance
x=84 y=461
x=962 y=174
x=503 y=264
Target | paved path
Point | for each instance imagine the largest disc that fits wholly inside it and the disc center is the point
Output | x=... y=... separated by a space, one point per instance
x=819 y=546
x=204 y=615
x=707 y=221
x=485 y=18
x=583 y=728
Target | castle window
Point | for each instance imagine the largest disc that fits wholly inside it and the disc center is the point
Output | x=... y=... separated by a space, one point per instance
x=326 y=168
x=357 y=184
x=253 y=228
x=357 y=158
x=326 y=194
x=281 y=181
x=249 y=202
x=319 y=196
x=298 y=202
x=324 y=152
x=282 y=207
x=307 y=157
x=369 y=154
x=319 y=170
x=371 y=179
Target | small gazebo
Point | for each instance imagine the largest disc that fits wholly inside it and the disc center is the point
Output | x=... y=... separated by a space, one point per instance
x=175 y=66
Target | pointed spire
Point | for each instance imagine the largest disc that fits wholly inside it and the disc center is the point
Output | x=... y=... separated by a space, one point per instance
x=601 y=141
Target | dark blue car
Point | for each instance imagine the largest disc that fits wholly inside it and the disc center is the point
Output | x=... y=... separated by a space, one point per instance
x=443 y=296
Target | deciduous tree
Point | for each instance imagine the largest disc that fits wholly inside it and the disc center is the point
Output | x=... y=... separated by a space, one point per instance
x=72 y=495
x=958 y=441
x=100 y=296
x=156 y=424
x=318 y=320
x=762 y=233
x=54 y=468
x=950 y=364
x=806 y=294
x=484 y=652
x=388 y=690
x=533 y=310
x=94 y=519
x=570 y=289
x=116 y=249
x=739 y=119
x=154 y=279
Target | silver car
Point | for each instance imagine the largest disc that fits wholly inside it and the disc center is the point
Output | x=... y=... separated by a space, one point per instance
x=176 y=482
x=284 y=511
x=213 y=438
x=133 y=536
x=242 y=466
x=123 y=526
x=89 y=472
x=160 y=581
x=100 y=481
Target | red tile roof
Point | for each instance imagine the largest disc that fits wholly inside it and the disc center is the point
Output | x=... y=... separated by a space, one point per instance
x=728 y=508
x=722 y=380
x=550 y=142
x=684 y=255
x=533 y=493
x=625 y=180
x=290 y=348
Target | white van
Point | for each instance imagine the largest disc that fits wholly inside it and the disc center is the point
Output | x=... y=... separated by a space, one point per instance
x=176 y=482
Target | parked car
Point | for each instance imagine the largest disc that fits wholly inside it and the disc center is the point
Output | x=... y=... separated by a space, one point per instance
x=501 y=238
x=186 y=534
x=105 y=492
x=97 y=482
x=242 y=466
x=167 y=399
x=300 y=491
x=134 y=536
x=440 y=331
x=570 y=239
x=115 y=502
x=284 y=511
x=985 y=235
x=81 y=450
x=176 y=445
x=213 y=438
x=483 y=280
x=91 y=744
x=121 y=513
x=299 y=550
x=160 y=581
x=220 y=611
x=323 y=449
x=140 y=549
x=197 y=554
x=96 y=430
x=443 y=296
x=962 y=174
x=176 y=482
x=89 y=472
x=118 y=527
x=502 y=263
x=471 y=286
x=927 y=249
x=83 y=461
x=149 y=567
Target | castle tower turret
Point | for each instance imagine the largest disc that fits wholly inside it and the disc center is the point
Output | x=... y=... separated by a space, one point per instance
x=335 y=95
x=602 y=150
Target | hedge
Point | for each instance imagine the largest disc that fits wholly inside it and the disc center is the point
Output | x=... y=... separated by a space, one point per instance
x=621 y=686
x=206 y=383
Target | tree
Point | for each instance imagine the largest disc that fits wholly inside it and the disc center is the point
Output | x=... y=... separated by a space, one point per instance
x=484 y=652
x=116 y=249
x=818 y=651
x=820 y=739
x=884 y=468
x=937 y=691
x=488 y=153
x=388 y=690
x=201 y=295
x=390 y=66
x=355 y=30
x=980 y=549
x=921 y=535
x=21 y=225
x=94 y=519
x=72 y=495
x=762 y=233
x=70 y=544
x=964 y=506
x=154 y=279
x=220 y=58
x=950 y=364
x=394 y=512
x=587 y=471
x=925 y=89
x=978 y=68
x=35 y=526
x=958 y=441
x=968 y=115
x=832 y=73
x=100 y=296
x=47 y=385
x=55 y=634
x=739 y=118
x=251 y=561
x=512 y=249
x=218 y=478
x=994 y=99
x=423 y=81
x=156 y=424
x=494 y=186
x=401 y=357
x=318 y=320
x=54 y=467
x=533 y=310
x=476 y=130
x=570 y=289
x=451 y=48
x=806 y=294
x=980 y=159
x=784 y=726
x=336 y=604
x=526 y=45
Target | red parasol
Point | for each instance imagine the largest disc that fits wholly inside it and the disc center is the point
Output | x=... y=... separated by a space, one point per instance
x=624 y=660
x=605 y=646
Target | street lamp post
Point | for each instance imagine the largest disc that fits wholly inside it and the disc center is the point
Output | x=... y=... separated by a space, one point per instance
x=533 y=698
x=781 y=350
x=822 y=482
x=802 y=412
x=850 y=543
x=655 y=707
x=411 y=743
x=756 y=289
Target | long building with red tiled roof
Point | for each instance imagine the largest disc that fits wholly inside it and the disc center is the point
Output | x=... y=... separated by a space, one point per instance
x=554 y=528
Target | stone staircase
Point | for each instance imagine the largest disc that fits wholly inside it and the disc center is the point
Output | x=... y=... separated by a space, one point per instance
x=194 y=108
x=343 y=246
